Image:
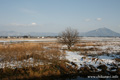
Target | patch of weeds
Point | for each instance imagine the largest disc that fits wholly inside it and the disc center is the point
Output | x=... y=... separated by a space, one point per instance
x=103 y=68
x=117 y=59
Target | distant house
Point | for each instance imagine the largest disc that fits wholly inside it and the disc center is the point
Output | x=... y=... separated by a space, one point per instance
x=8 y=37
x=43 y=37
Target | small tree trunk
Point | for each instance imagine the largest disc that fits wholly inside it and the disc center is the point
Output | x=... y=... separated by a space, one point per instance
x=69 y=47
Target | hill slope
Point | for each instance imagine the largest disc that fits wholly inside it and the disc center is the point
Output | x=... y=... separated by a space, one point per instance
x=101 y=32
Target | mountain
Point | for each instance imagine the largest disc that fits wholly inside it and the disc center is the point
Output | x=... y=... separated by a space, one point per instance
x=13 y=33
x=101 y=32
x=10 y=33
x=42 y=34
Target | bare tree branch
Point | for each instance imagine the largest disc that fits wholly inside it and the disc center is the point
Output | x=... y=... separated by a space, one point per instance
x=69 y=37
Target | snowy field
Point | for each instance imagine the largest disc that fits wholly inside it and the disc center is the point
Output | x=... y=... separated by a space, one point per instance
x=9 y=40
x=96 y=52
x=93 y=51
x=83 y=39
x=82 y=61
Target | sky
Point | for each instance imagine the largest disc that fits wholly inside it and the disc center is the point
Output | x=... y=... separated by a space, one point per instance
x=56 y=15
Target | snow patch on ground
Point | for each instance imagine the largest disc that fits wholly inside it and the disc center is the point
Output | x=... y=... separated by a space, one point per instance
x=20 y=64
x=82 y=60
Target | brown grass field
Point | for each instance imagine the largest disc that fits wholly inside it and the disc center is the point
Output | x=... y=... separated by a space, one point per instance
x=41 y=59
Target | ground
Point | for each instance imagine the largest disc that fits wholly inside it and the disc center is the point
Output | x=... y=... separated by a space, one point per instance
x=94 y=54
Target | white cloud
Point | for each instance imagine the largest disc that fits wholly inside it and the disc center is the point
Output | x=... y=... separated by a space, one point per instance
x=16 y=24
x=87 y=20
x=34 y=23
x=99 y=19
x=23 y=25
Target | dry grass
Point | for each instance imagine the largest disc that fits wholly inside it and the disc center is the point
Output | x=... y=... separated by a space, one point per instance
x=117 y=59
x=88 y=44
x=21 y=51
x=37 y=71
x=47 y=53
x=37 y=51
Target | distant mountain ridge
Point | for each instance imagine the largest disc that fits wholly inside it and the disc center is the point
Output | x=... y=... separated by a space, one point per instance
x=13 y=33
x=101 y=32
x=10 y=33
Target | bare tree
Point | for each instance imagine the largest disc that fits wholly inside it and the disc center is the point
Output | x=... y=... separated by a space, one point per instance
x=69 y=37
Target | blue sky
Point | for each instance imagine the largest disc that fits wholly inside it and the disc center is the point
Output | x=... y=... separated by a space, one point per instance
x=56 y=15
